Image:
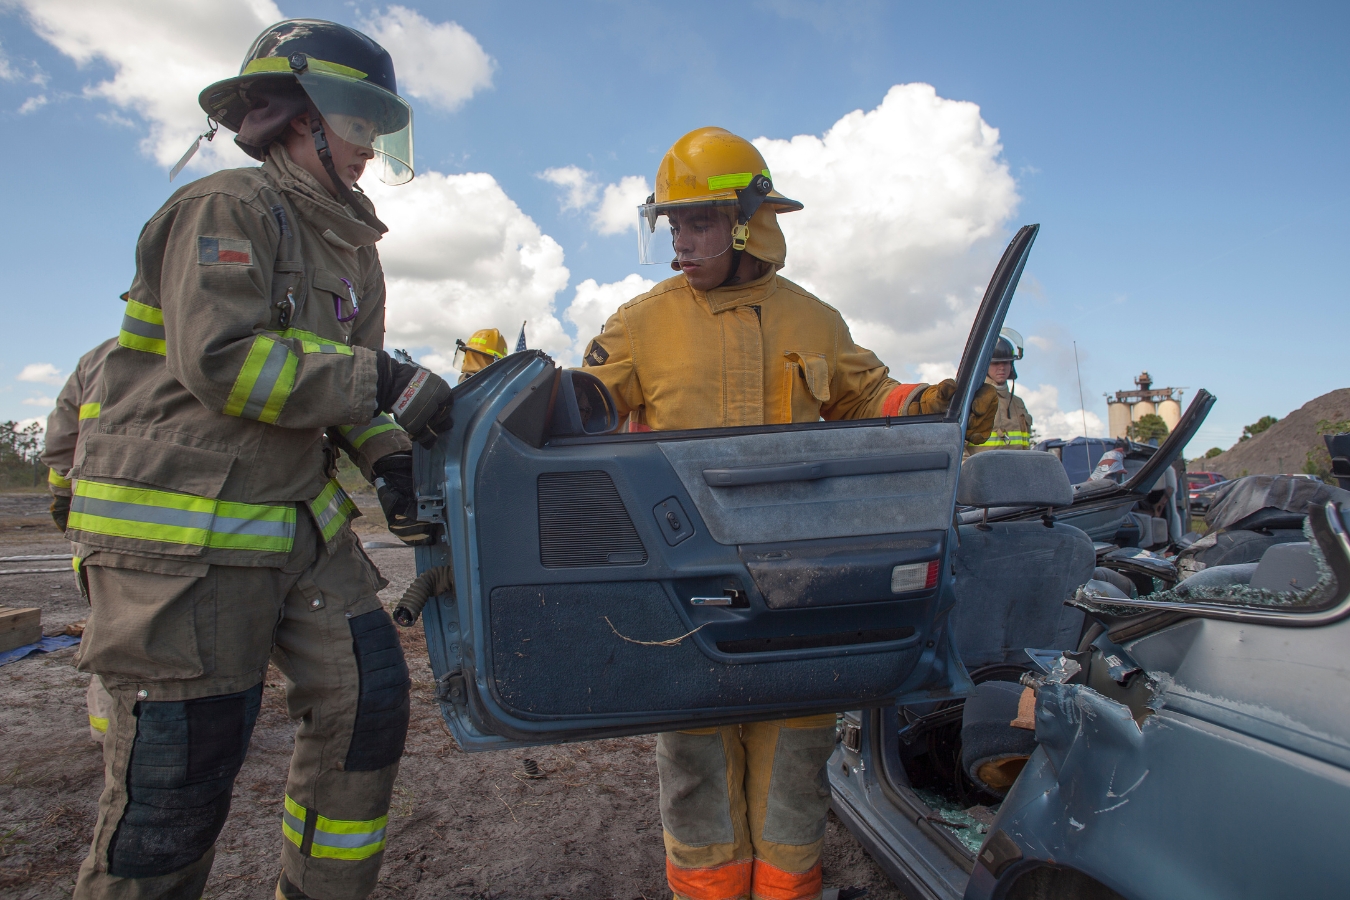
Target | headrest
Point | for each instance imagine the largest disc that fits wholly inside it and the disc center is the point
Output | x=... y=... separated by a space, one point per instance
x=1013 y=478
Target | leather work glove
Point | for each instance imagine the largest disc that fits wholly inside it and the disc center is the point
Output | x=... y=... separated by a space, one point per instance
x=398 y=498
x=936 y=398
x=417 y=398
x=60 y=509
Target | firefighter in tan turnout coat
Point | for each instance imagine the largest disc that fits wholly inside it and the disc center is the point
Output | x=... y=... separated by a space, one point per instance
x=211 y=533
x=729 y=342
x=75 y=415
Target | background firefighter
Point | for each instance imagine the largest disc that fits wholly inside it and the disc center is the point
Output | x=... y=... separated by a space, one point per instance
x=212 y=534
x=1012 y=423
x=75 y=415
x=729 y=342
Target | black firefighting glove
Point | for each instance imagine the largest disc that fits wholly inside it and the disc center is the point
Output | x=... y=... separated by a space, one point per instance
x=417 y=398
x=398 y=498
x=936 y=398
x=60 y=511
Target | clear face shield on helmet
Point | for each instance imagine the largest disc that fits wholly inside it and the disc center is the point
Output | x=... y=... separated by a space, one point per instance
x=365 y=115
x=1016 y=343
x=684 y=231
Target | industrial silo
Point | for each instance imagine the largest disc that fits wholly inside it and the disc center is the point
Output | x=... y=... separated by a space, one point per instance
x=1170 y=410
x=1117 y=418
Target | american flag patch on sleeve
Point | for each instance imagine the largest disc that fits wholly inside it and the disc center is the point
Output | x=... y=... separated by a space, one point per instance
x=224 y=252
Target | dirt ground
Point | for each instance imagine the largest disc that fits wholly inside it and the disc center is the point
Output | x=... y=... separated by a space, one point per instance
x=462 y=825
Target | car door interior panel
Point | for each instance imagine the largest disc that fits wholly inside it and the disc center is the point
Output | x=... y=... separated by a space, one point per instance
x=612 y=583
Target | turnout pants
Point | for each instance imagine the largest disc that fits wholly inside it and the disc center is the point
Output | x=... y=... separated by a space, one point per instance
x=743 y=808
x=183 y=657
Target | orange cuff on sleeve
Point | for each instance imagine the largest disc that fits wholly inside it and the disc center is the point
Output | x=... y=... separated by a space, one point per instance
x=895 y=401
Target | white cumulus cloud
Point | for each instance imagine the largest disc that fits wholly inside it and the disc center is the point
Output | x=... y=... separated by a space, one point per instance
x=439 y=63
x=41 y=423
x=460 y=256
x=32 y=104
x=162 y=53
x=1052 y=422
x=612 y=207
x=907 y=207
x=578 y=185
x=40 y=401
x=594 y=303
x=41 y=373
x=617 y=212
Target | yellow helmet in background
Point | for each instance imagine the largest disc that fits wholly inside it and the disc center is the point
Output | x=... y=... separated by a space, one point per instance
x=711 y=167
x=483 y=349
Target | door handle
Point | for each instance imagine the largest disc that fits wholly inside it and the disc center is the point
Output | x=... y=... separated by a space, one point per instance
x=829 y=468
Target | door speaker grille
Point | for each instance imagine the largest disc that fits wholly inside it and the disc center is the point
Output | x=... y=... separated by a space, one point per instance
x=583 y=522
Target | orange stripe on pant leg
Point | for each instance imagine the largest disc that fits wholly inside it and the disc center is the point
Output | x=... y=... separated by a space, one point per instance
x=771 y=883
x=729 y=881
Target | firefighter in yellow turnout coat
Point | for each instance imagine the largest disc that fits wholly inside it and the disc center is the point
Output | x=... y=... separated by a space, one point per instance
x=729 y=342
x=212 y=534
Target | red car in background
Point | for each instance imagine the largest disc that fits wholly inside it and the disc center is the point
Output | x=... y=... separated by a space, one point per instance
x=1195 y=483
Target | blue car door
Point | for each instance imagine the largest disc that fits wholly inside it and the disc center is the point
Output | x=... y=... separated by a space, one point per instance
x=609 y=584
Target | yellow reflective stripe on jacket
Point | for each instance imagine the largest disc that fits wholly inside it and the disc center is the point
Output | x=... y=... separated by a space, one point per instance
x=265 y=381
x=357 y=435
x=313 y=343
x=98 y=724
x=55 y=479
x=1020 y=439
x=142 y=328
x=333 y=838
x=169 y=517
x=331 y=509
x=89 y=410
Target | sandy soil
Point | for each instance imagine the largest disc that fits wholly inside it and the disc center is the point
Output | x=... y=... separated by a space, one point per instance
x=462 y=825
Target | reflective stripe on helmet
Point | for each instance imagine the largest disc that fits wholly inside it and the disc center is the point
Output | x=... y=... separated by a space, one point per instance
x=168 y=517
x=265 y=381
x=142 y=328
x=331 y=509
x=333 y=838
x=733 y=182
x=283 y=64
x=356 y=435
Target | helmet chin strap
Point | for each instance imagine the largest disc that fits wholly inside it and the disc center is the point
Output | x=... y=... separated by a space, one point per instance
x=344 y=193
x=748 y=201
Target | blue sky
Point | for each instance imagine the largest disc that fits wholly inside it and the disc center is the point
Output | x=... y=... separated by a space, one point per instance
x=1186 y=163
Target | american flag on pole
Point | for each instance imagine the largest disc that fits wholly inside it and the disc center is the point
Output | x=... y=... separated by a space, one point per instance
x=520 y=341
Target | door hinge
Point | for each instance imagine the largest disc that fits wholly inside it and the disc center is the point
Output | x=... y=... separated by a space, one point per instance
x=431 y=508
x=850 y=735
x=450 y=688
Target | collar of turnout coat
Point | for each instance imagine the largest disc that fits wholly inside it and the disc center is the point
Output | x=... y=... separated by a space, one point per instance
x=752 y=292
x=315 y=204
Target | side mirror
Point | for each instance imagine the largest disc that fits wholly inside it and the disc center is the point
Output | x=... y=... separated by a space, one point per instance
x=582 y=405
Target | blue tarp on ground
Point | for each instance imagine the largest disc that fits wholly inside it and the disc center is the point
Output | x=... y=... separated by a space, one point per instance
x=46 y=645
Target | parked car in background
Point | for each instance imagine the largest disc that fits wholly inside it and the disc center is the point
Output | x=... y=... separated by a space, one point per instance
x=1202 y=498
x=1197 y=481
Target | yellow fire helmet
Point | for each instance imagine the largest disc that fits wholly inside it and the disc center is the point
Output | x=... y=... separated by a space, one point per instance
x=707 y=169
x=483 y=349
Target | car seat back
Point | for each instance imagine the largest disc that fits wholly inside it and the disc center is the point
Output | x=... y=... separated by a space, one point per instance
x=1012 y=578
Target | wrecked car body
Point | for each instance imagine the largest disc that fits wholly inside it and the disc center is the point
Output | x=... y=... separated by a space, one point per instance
x=1184 y=749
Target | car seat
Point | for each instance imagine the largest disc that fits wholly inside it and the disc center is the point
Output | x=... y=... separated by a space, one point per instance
x=1012 y=578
